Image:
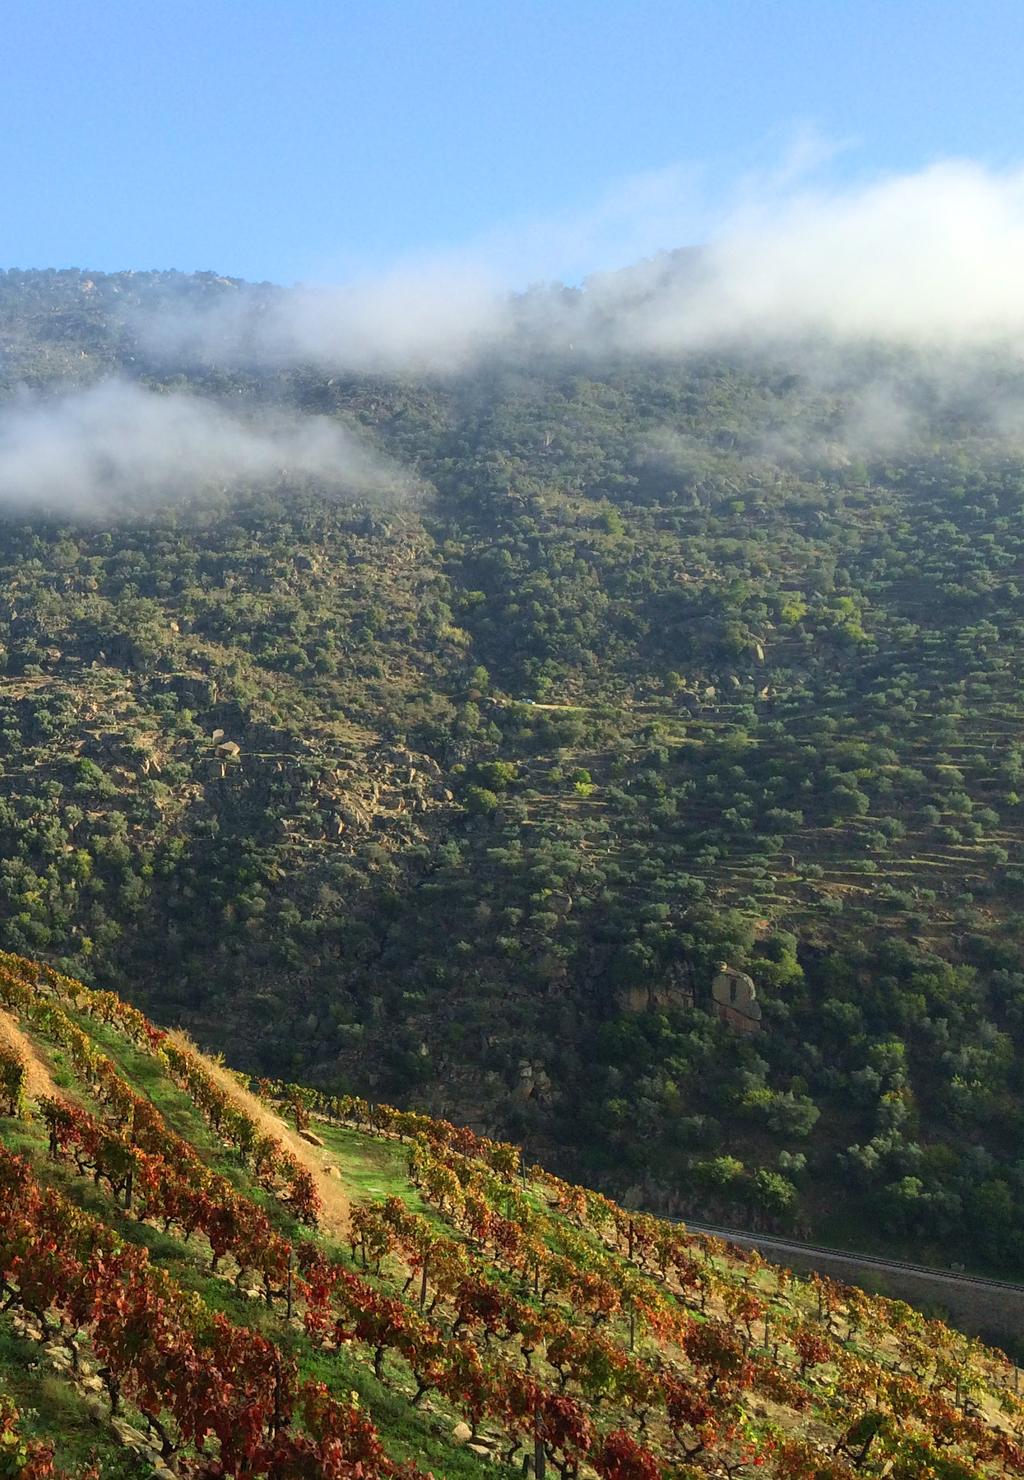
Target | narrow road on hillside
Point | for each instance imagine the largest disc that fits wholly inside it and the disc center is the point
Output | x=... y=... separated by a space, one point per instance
x=778 y=1249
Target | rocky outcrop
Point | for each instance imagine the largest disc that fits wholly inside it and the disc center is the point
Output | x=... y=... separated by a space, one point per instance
x=735 y=999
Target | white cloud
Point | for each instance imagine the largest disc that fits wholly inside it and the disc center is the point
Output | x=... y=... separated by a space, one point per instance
x=436 y=315
x=936 y=256
x=116 y=446
x=932 y=257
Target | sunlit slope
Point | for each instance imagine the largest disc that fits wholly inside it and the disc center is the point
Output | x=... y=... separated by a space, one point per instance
x=212 y=1281
x=256 y=744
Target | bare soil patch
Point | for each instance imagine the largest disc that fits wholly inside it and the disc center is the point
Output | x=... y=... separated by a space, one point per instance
x=38 y=1080
x=334 y=1218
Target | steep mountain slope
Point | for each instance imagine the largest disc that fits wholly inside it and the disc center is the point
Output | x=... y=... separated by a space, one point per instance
x=663 y=665
x=175 y=1302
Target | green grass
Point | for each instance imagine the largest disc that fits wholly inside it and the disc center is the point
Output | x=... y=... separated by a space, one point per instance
x=374 y=1169
x=51 y=1408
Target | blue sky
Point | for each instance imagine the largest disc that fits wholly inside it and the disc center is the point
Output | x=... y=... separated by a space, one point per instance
x=315 y=139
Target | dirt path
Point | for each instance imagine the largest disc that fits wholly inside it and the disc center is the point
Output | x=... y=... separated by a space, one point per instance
x=316 y=1160
x=38 y=1081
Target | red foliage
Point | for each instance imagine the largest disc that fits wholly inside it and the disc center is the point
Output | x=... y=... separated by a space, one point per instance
x=622 y=1458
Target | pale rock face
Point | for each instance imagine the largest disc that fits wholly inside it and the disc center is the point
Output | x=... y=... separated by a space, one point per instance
x=735 y=999
x=672 y=991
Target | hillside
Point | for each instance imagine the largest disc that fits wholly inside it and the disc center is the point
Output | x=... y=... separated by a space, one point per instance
x=642 y=667
x=202 y=1280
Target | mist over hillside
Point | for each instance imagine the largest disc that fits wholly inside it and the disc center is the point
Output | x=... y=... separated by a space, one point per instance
x=461 y=679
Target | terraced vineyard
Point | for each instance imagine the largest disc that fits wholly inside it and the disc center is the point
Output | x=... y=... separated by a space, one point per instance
x=203 y=1280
